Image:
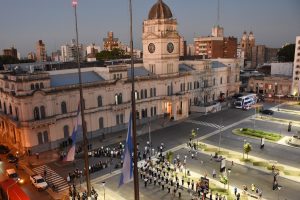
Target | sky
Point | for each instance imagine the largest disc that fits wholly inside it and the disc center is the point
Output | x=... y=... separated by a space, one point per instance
x=24 y=22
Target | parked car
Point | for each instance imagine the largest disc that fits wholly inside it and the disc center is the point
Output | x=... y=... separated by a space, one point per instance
x=267 y=112
x=11 y=158
x=38 y=182
x=4 y=149
x=11 y=173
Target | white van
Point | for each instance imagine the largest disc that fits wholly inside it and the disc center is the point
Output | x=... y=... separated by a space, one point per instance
x=11 y=173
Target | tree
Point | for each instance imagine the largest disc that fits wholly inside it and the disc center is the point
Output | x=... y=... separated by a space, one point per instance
x=286 y=53
x=110 y=55
x=8 y=60
x=247 y=148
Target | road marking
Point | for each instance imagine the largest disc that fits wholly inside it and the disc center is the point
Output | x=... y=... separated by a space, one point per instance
x=205 y=123
x=52 y=177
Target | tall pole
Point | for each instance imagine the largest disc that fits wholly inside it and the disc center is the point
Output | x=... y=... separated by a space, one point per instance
x=150 y=141
x=84 y=130
x=135 y=169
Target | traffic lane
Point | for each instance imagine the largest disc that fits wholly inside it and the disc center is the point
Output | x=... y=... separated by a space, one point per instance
x=269 y=126
x=286 y=116
x=26 y=186
x=225 y=117
x=173 y=136
x=290 y=107
x=272 y=151
x=241 y=175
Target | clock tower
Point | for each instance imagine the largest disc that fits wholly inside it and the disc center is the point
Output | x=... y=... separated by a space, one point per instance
x=161 y=41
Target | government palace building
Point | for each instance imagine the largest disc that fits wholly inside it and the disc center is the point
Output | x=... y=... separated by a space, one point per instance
x=38 y=107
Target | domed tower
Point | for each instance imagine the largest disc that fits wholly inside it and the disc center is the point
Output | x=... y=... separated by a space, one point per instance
x=251 y=39
x=160 y=40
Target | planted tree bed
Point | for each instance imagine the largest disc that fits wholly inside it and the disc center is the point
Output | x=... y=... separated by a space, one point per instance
x=258 y=134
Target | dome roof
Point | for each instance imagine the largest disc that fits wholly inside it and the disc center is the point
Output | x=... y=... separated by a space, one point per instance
x=160 y=10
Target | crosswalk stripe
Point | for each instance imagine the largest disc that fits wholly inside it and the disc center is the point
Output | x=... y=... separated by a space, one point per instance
x=206 y=124
x=52 y=177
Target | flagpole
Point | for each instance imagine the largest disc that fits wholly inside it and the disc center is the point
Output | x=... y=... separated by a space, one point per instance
x=135 y=169
x=84 y=130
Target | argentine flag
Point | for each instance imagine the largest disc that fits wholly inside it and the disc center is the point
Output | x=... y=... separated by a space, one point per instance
x=127 y=170
x=76 y=130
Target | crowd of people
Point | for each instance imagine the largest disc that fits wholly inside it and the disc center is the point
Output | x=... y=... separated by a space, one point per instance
x=74 y=194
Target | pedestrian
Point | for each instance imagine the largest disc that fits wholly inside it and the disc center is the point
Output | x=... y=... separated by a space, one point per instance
x=182 y=181
x=238 y=196
x=235 y=191
x=214 y=174
x=169 y=188
x=252 y=187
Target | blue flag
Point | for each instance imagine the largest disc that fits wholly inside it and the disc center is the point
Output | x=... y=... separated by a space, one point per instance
x=127 y=170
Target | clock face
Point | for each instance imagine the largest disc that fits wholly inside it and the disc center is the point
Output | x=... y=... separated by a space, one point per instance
x=151 y=48
x=170 y=47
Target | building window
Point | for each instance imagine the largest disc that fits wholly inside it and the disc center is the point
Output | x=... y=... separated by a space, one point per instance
x=66 y=132
x=101 y=124
x=10 y=109
x=142 y=94
x=121 y=118
x=36 y=113
x=41 y=85
x=32 y=86
x=151 y=111
x=137 y=96
x=17 y=114
x=43 y=112
x=214 y=81
x=117 y=120
x=43 y=137
x=154 y=92
x=145 y=91
x=221 y=80
x=37 y=86
x=0 y=105
x=154 y=111
x=151 y=92
x=63 y=107
x=120 y=100
x=99 y=101
x=4 y=107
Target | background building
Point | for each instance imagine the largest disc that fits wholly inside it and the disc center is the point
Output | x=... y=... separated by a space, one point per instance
x=41 y=55
x=10 y=52
x=216 y=45
x=247 y=42
x=110 y=42
x=296 y=70
x=69 y=51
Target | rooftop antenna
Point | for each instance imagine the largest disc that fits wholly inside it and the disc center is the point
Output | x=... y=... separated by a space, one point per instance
x=218 y=16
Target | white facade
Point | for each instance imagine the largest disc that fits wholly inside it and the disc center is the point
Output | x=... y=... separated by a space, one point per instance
x=285 y=69
x=296 y=71
x=68 y=52
x=90 y=49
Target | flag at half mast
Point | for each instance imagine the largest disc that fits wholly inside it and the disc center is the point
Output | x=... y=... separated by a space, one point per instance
x=127 y=170
x=76 y=130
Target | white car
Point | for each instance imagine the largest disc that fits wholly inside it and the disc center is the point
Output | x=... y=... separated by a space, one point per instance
x=38 y=181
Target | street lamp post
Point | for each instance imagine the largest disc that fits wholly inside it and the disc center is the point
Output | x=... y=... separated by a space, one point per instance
x=228 y=173
x=103 y=184
x=220 y=134
x=243 y=149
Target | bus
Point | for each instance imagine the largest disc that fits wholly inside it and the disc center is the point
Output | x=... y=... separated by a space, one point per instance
x=245 y=101
x=9 y=189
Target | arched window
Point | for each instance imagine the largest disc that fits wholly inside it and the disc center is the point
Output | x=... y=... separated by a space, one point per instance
x=37 y=86
x=36 y=113
x=41 y=85
x=4 y=107
x=101 y=123
x=99 y=101
x=10 y=109
x=43 y=137
x=43 y=112
x=32 y=86
x=66 y=132
x=145 y=91
x=221 y=80
x=116 y=99
x=142 y=94
x=120 y=100
x=63 y=106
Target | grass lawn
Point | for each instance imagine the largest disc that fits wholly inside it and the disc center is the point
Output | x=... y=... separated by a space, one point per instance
x=257 y=134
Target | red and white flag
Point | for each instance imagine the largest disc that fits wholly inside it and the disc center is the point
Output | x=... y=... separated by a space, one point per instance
x=74 y=3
